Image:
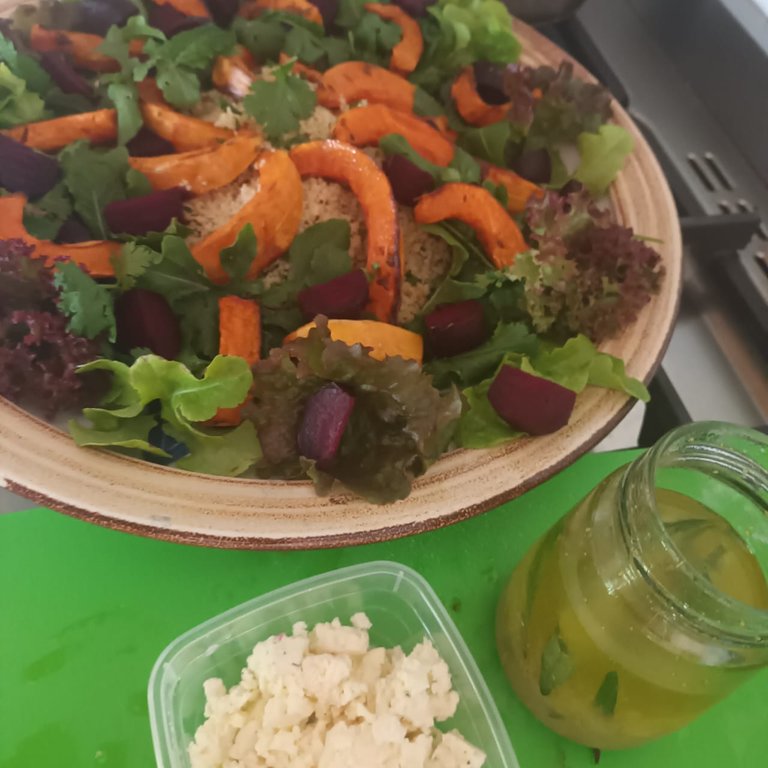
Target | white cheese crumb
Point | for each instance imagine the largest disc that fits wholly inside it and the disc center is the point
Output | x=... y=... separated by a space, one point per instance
x=325 y=699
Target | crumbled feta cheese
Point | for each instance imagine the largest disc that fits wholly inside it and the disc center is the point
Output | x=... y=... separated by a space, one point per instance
x=325 y=699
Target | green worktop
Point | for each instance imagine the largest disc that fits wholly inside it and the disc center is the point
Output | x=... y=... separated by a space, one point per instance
x=84 y=613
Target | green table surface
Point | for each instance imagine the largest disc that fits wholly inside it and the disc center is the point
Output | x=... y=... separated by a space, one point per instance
x=84 y=613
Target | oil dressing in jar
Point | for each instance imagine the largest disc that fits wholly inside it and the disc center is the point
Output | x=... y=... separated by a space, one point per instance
x=648 y=602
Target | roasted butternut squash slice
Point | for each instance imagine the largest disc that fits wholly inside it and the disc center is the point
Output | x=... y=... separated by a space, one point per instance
x=239 y=335
x=519 y=190
x=234 y=74
x=201 y=170
x=353 y=81
x=366 y=126
x=406 y=54
x=81 y=46
x=498 y=234
x=274 y=212
x=346 y=165
x=98 y=127
x=195 y=8
x=382 y=339
x=302 y=70
x=184 y=132
x=253 y=8
x=471 y=106
x=94 y=255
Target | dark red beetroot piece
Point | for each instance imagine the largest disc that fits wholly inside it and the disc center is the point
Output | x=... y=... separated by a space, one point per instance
x=326 y=415
x=148 y=144
x=455 y=328
x=97 y=16
x=328 y=10
x=529 y=403
x=144 y=319
x=534 y=165
x=146 y=213
x=170 y=21
x=408 y=181
x=25 y=170
x=73 y=230
x=343 y=297
x=223 y=11
x=59 y=66
x=489 y=81
x=417 y=8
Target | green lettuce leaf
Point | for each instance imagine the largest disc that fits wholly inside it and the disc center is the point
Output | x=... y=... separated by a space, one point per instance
x=458 y=33
x=400 y=424
x=578 y=364
x=184 y=402
x=603 y=155
x=489 y=142
x=575 y=365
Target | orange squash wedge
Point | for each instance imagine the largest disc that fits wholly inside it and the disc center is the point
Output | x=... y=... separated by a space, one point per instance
x=470 y=106
x=519 y=190
x=195 y=8
x=239 y=335
x=201 y=170
x=498 y=233
x=184 y=132
x=342 y=163
x=274 y=212
x=382 y=339
x=234 y=74
x=94 y=255
x=254 y=8
x=366 y=126
x=81 y=46
x=353 y=81
x=98 y=127
x=406 y=54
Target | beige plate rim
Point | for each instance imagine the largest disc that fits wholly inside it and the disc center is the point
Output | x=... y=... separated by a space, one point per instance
x=42 y=463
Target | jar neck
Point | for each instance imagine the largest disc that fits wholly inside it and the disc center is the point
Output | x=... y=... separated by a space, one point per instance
x=716 y=452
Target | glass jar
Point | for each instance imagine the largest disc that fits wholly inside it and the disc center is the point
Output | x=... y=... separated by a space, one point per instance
x=648 y=602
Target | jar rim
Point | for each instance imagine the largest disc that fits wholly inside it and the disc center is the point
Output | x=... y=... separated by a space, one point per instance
x=742 y=623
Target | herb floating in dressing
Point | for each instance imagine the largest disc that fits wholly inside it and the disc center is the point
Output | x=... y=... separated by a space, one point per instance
x=608 y=693
x=556 y=665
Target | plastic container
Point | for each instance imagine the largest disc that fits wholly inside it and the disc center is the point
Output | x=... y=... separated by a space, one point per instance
x=403 y=608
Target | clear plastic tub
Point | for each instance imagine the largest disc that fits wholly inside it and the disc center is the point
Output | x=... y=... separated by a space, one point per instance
x=403 y=608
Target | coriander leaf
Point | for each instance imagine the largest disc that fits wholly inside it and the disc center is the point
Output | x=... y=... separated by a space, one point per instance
x=264 y=37
x=94 y=178
x=471 y=367
x=480 y=426
x=607 y=694
x=125 y=97
x=602 y=157
x=490 y=142
x=17 y=104
x=556 y=665
x=184 y=401
x=305 y=45
x=43 y=217
x=86 y=303
x=237 y=259
x=180 y=86
x=131 y=262
x=279 y=105
x=373 y=38
x=350 y=13
x=197 y=48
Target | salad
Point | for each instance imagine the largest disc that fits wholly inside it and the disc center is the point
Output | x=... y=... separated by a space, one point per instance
x=289 y=239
